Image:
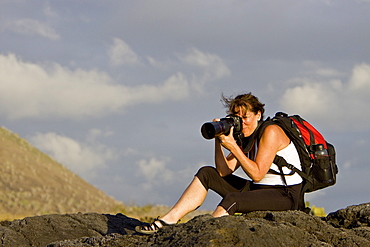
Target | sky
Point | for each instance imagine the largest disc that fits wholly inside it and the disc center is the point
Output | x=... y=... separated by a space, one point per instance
x=117 y=90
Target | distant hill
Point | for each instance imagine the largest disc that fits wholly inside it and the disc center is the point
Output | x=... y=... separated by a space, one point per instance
x=32 y=183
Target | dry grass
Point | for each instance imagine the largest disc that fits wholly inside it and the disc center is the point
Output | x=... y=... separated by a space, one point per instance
x=31 y=183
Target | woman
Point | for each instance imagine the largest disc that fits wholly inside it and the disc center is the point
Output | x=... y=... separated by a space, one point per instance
x=263 y=190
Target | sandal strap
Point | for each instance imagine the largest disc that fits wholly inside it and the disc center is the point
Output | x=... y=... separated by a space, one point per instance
x=154 y=227
x=163 y=223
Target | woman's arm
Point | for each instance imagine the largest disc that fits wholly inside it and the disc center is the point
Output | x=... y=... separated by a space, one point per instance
x=273 y=139
x=225 y=165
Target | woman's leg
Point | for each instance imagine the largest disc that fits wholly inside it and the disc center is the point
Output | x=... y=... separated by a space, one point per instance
x=219 y=211
x=194 y=196
x=206 y=178
x=190 y=200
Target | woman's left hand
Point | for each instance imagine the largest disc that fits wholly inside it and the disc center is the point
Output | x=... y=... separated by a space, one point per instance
x=227 y=141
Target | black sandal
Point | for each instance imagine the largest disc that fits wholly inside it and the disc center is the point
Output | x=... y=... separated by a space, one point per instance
x=152 y=228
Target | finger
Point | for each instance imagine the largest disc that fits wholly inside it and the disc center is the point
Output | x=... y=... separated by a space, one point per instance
x=231 y=130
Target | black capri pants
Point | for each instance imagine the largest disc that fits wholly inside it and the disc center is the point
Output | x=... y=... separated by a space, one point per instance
x=242 y=196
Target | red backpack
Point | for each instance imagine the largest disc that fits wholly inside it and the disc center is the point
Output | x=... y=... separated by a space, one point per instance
x=317 y=156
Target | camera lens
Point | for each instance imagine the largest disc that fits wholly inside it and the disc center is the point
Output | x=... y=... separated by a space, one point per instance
x=211 y=129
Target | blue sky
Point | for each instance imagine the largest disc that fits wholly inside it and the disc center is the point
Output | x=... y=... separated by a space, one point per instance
x=117 y=90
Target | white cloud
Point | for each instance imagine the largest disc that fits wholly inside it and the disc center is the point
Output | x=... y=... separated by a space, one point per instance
x=49 y=12
x=154 y=168
x=159 y=64
x=30 y=26
x=29 y=90
x=360 y=80
x=82 y=158
x=176 y=87
x=96 y=133
x=339 y=105
x=315 y=68
x=121 y=53
x=311 y=98
x=211 y=65
x=156 y=172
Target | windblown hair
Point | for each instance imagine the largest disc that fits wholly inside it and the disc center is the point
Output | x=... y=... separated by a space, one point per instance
x=248 y=102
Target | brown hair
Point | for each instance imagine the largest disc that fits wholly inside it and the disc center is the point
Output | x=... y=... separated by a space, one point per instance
x=247 y=101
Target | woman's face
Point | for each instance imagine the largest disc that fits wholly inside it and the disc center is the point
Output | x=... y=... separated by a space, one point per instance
x=250 y=120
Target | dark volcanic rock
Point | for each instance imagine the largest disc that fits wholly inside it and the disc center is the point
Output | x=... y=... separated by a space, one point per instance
x=42 y=230
x=346 y=227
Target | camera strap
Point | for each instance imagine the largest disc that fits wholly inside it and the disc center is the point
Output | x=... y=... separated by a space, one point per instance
x=248 y=142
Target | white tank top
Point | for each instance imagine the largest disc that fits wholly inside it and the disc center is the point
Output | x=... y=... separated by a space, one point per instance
x=290 y=154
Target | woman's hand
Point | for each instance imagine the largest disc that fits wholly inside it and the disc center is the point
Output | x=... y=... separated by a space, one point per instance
x=227 y=141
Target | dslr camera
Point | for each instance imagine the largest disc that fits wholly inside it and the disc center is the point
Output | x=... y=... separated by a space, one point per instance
x=212 y=129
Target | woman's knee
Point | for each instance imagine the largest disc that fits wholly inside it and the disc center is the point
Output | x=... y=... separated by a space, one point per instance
x=205 y=170
x=205 y=175
x=230 y=202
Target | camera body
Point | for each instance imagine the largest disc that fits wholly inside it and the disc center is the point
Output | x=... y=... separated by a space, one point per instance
x=212 y=129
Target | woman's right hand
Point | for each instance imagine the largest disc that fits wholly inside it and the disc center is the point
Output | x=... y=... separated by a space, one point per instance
x=225 y=140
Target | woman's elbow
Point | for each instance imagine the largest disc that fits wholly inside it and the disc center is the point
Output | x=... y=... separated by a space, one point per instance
x=224 y=173
x=257 y=178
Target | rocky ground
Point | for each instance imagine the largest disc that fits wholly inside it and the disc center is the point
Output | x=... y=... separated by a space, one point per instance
x=345 y=227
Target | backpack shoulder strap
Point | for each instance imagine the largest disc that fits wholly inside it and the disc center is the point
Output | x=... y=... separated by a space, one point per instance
x=248 y=142
x=263 y=126
x=281 y=162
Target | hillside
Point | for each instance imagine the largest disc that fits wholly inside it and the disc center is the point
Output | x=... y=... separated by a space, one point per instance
x=32 y=183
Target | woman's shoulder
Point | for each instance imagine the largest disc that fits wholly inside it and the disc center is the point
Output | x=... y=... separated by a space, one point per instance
x=273 y=129
x=273 y=132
